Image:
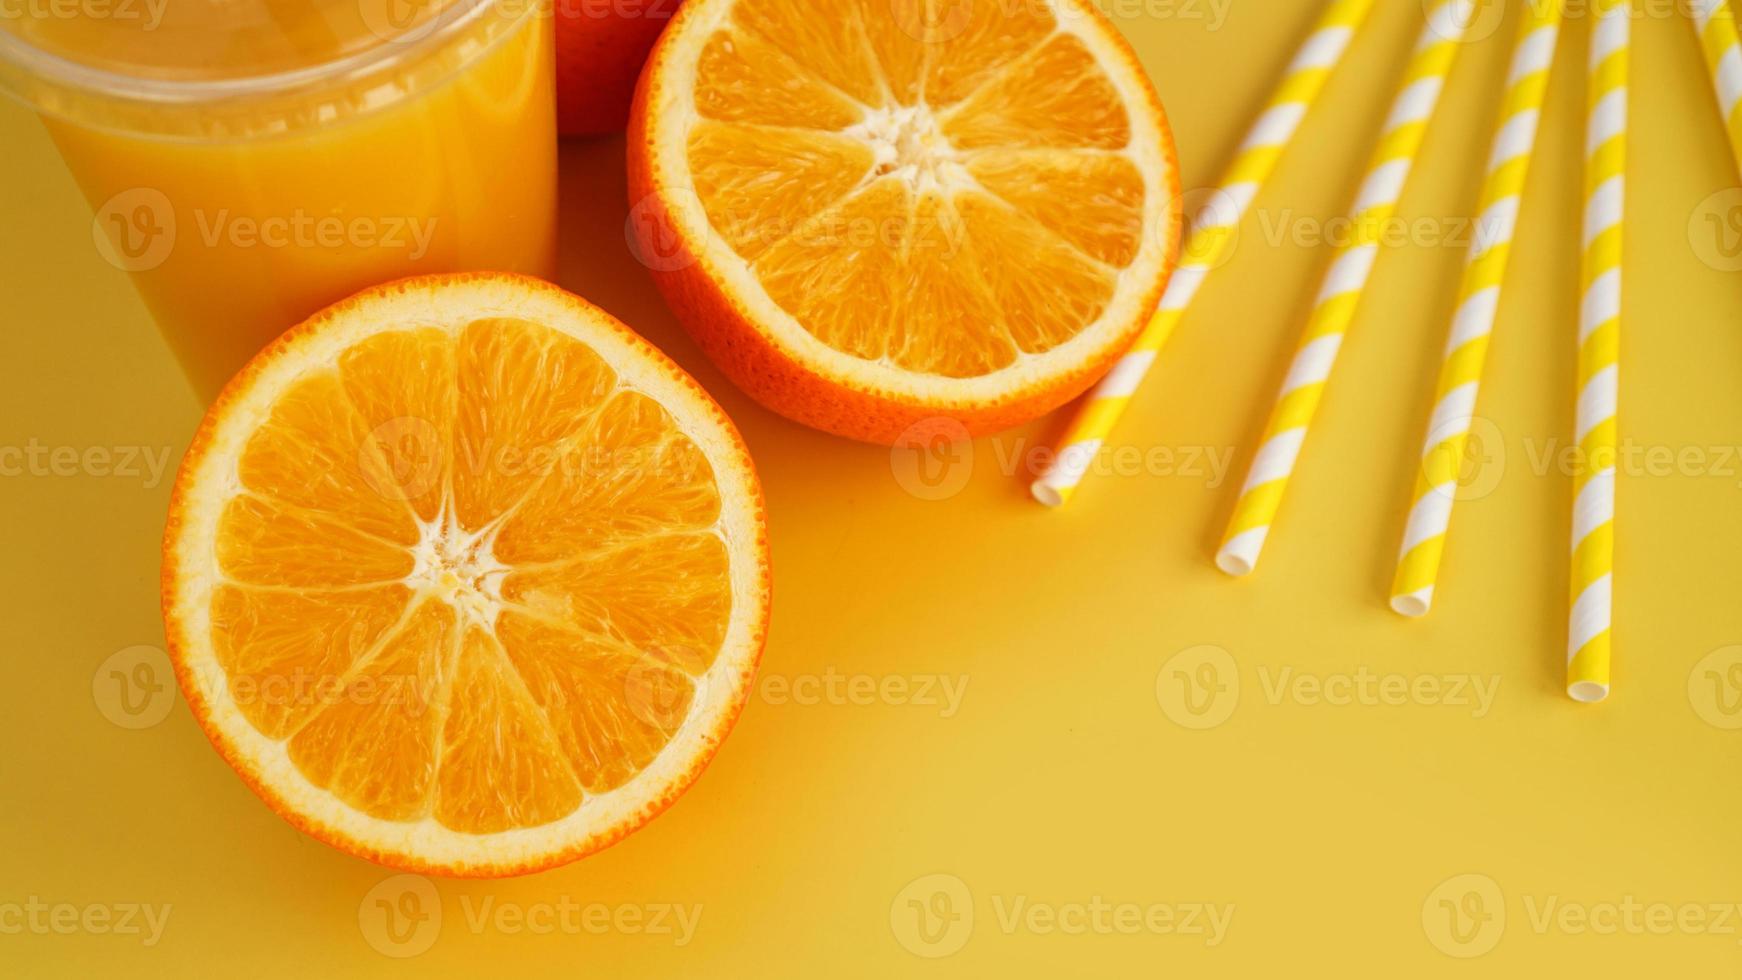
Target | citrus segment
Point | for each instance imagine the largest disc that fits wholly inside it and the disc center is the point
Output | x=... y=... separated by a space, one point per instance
x=1092 y=201
x=951 y=324
x=970 y=44
x=463 y=577
x=829 y=48
x=373 y=742
x=613 y=708
x=315 y=452
x=276 y=645
x=524 y=392
x=665 y=596
x=890 y=28
x=808 y=272
x=651 y=480
x=1045 y=288
x=759 y=184
x=501 y=767
x=747 y=79
x=402 y=386
x=264 y=542
x=1077 y=107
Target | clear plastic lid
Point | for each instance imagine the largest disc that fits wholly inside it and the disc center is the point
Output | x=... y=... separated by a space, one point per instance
x=232 y=69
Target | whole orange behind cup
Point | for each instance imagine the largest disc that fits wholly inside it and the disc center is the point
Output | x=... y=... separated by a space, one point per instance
x=600 y=48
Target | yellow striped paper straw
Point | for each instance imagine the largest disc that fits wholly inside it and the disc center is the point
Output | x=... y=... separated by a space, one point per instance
x=1716 y=22
x=1436 y=487
x=1448 y=23
x=1589 y=633
x=1213 y=231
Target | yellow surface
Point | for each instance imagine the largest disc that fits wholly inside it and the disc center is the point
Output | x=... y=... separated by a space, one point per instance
x=1059 y=778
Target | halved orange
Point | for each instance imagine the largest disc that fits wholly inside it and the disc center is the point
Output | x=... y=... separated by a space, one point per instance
x=463 y=577
x=892 y=211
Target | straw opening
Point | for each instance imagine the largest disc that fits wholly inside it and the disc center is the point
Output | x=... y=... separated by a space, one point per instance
x=1046 y=494
x=1233 y=564
x=1413 y=606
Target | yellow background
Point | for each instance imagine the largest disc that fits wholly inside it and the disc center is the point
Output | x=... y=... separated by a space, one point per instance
x=1061 y=777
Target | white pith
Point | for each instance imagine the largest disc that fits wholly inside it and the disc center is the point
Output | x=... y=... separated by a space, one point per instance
x=895 y=138
x=908 y=143
x=457 y=566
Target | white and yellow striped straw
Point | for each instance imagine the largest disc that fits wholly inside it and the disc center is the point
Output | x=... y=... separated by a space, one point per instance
x=1448 y=24
x=1436 y=487
x=1589 y=634
x=1716 y=22
x=1213 y=231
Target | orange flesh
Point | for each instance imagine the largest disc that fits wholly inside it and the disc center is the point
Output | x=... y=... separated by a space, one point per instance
x=956 y=170
x=470 y=578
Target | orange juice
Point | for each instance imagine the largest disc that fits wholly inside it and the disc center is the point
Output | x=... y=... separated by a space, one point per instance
x=251 y=161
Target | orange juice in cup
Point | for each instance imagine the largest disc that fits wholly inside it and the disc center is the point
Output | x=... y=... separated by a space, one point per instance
x=251 y=161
